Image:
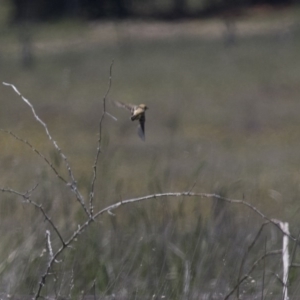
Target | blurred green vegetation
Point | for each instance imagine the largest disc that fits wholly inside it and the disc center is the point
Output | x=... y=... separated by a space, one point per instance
x=223 y=116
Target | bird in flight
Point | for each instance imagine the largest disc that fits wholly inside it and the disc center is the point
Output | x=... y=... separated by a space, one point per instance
x=137 y=113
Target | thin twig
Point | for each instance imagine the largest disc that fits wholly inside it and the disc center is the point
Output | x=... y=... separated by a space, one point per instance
x=99 y=142
x=49 y=244
x=278 y=278
x=39 y=206
x=274 y=252
x=246 y=255
x=113 y=117
x=71 y=285
x=294 y=250
x=109 y=208
x=192 y=187
x=37 y=152
x=295 y=265
x=58 y=252
x=25 y=195
x=199 y=195
x=73 y=184
x=285 y=259
x=264 y=272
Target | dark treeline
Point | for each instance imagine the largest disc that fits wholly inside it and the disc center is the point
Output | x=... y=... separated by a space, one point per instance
x=43 y=10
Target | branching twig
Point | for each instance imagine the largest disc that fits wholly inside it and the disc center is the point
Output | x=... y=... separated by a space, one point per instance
x=278 y=278
x=99 y=141
x=37 y=152
x=39 y=206
x=73 y=184
x=25 y=195
x=154 y=196
x=58 y=252
x=274 y=252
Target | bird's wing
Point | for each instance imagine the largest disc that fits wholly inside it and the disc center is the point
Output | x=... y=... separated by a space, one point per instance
x=141 y=128
x=124 y=105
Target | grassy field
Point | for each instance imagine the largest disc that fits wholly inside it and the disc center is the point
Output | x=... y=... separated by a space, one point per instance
x=223 y=117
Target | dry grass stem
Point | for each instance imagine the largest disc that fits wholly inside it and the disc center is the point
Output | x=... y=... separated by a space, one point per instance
x=98 y=151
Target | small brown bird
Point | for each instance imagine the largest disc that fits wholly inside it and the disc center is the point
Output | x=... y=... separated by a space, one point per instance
x=137 y=113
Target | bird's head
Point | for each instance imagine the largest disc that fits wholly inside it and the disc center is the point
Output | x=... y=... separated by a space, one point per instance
x=144 y=106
